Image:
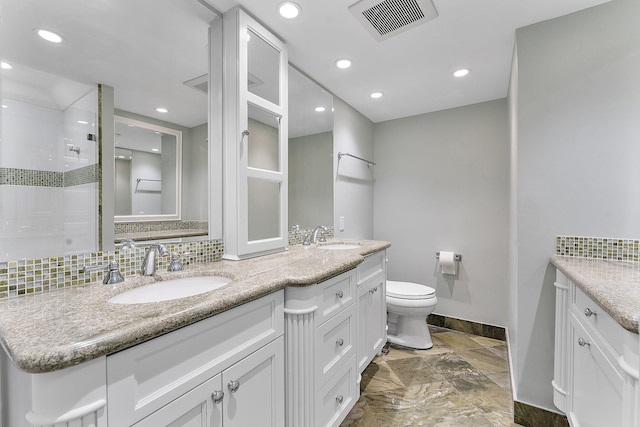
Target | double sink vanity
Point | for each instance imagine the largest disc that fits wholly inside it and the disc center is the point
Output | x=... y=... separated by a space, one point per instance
x=274 y=340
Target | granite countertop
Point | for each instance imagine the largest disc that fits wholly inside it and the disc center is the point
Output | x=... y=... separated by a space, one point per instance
x=613 y=285
x=61 y=328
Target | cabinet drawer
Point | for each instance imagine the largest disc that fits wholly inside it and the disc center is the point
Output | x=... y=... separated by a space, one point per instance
x=335 y=343
x=337 y=397
x=144 y=378
x=337 y=293
x=372 y=265
x=606 y=326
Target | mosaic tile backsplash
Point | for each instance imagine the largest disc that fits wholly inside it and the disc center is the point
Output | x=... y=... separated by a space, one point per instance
x=28 y=276
x=598 y=248
x=123 y=228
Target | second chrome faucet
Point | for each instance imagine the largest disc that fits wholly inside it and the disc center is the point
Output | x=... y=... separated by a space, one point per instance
x=149 y=262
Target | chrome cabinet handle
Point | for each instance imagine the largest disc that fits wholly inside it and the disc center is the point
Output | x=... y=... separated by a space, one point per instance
x=582 y=342
x=371 y=291
x=340 y=294
x=339 y=399
x=340 y=342
x=233 y=386
x=217 y=396
x=588 y=312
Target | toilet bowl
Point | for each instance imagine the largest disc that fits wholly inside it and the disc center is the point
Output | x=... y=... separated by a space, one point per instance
x=408 y=305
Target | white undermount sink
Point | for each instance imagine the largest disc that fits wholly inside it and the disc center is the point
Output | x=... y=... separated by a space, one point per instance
x=339 y=246
x=167 y=290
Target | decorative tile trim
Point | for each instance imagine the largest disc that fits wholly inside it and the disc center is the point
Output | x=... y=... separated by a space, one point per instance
x=84 y=175
x=29 y=276
x=30 y=177
x=598 y=248
x=296 y=237
x=475 y=328
x=531 y=416
x=123 y=228
x=36 y=178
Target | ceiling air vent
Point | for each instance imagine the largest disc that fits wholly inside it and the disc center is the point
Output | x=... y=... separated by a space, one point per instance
x=384 y=19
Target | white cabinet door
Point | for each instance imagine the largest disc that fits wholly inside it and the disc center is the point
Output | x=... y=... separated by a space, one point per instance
x=197 y=408
x=595 y=385
x=378 y=317
x=254 y=389
x=372 y=320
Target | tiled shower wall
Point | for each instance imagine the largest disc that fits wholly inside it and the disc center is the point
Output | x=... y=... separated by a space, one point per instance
x=48 y=193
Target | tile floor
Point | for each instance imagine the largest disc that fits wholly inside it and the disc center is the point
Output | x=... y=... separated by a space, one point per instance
x=462 y=381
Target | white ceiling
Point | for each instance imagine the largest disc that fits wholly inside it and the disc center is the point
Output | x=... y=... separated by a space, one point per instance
x=146 y=49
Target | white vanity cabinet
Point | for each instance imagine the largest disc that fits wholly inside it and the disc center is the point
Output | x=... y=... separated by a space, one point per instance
x=596 y=362
x=226 y=370
x=320 y=331
x=372 y=308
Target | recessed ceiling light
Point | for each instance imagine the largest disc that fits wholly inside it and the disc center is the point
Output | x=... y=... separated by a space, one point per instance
x=289 y=9
x=461 y=72
x=375 y=95
x=49 y=36
x=162 y=110
x=82 y=122
x=155 y=149
x=5 y=106
x=343 y=63
x=319 y=109
x=5 y=65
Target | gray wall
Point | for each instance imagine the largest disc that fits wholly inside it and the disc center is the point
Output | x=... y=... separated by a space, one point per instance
x=353 y=180
x=442 y=184
x=311 y=180
x=578 y=128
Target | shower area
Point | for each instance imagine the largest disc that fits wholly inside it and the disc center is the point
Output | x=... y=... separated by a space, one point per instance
x=48 y=173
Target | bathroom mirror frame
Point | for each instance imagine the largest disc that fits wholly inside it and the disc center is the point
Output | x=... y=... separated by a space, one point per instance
x=177 y=215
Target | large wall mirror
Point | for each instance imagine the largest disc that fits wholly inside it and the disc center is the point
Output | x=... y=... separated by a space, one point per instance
x=310 y=152
x=148 y=171
x=53 y=176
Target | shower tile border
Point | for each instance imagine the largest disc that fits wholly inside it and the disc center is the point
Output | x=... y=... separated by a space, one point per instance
x=52 y=179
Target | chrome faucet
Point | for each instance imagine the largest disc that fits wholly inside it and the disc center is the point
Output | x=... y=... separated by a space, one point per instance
x=149 y=262
x=313 y=237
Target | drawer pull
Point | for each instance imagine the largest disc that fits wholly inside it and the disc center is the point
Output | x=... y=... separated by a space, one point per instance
x=371 y=291
x=340 y=342
x=582 y=342
x=339 y=399
x=340 y=294
x=233 y=386
x=217 y=396
x=588 y=312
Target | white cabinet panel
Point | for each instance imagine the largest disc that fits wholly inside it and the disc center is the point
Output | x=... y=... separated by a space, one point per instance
x=193 y=409
x=595 y=384
x=254 y=389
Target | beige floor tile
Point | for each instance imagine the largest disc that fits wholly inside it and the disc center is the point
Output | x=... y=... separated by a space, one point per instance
x=486 y=342
x=503 y=379
x=379 y=377
x=414 y=371
x=485 y=360
x=462 y=381
x=458 y=341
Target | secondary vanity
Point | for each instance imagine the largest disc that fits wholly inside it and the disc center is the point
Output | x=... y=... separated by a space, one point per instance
x=282 y=344
x=596 y=356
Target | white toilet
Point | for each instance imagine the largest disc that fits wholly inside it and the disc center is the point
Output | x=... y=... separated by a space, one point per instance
x=408 y=305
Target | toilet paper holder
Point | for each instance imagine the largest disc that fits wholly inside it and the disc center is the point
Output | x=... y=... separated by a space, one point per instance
x=457 y=257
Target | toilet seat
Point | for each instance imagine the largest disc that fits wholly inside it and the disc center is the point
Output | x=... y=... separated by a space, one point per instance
x=409 y=291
